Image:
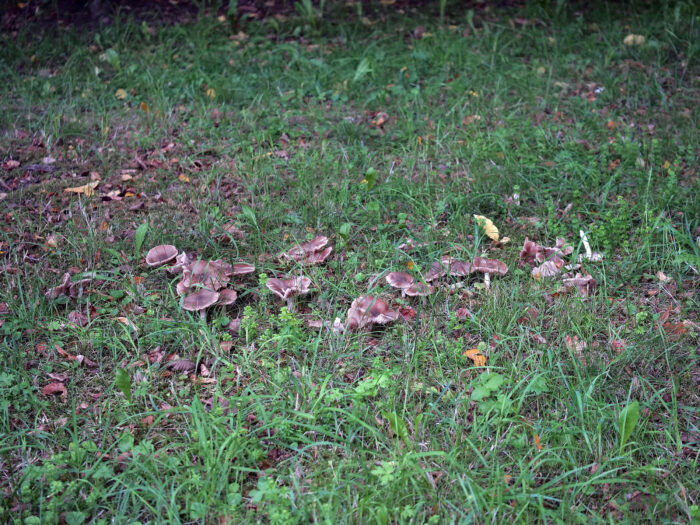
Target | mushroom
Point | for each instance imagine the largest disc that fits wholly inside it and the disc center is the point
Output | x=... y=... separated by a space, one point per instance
x=199 y=301
x=226 y=297
x=57 y=291
x=368 y=310
x=288 y=289
x=489 y=267
x=211 y=274
x=437 y=270
x=181 y=262
x=418 y=290
x=585 y=284
x=400 y=280
x=315 y=251
x=159 y=255
x=243 y=268
x=456 y=268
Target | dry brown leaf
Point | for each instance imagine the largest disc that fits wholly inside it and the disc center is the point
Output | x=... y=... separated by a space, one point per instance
x=475 y=355
x=86 y=189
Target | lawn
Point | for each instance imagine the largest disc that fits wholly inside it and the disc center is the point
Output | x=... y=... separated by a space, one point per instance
x=557 y=146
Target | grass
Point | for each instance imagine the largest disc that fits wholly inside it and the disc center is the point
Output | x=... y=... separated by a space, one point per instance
x=272 y=127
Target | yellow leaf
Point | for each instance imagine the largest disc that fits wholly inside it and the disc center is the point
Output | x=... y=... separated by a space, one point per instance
x=211 y=93
x=183 y=178
x=87 y=189
x=634 y=40
x=487 y=225
x=144 y=107
x=475 y=355
x=120 y=94
x=409 y=265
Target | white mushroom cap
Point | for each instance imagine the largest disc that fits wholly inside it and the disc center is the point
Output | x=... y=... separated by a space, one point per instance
x=399 y=280
x=200 y=300
x=160 y=255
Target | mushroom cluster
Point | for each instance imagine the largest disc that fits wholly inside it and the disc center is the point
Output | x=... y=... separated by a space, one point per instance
x=204 y=283
x=288 y=289
x=367 y=310
x=549 y=262
x=315 y=251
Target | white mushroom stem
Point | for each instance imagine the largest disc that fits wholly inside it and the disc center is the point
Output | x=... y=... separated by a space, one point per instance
x=586 y=245
x=203 y=315
x=487 y=280
x=290 y=303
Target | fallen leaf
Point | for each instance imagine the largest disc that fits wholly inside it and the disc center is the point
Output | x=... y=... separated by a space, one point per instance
x=120 y=94
x=537 y=442
x=53 y=389
x=475 y=355
x=488 y=227
x=10 y=164
x=87 y=189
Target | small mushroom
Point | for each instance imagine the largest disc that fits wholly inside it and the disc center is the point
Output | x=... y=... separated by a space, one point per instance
x=418 y=290
x=160 y=255
x=436 y=271
x=57 y=291
x=288 y=289
x=243 y=268
x=455 y=267
x=226 y=297
x=400 y=280
x=181 y=262
x=313 y=252
x=489 y=267
x=199 y=301
x=211 y=274
x=368 y=310
x=585 y=284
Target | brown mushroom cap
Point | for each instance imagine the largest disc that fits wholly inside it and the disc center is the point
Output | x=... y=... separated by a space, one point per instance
x=399 y=280
x=199 y=300
x=490 y=266
x=313 y=252
x=212 y=274
x=286 y=288
x=437 y=270
x=227 y=296
x=418 y=290
x=367 y=310
x=160 y=255
x=319 y=256
x=57 y=291
x=455 y=267
x=181 y=262
x=243 y=268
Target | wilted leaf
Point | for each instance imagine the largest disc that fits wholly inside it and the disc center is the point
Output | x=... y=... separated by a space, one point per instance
x=86 y=189
x=120 y=94
x=475 y=355
x=634 y=40
x=123 y=383
x=488 y=227
x=55 y=389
